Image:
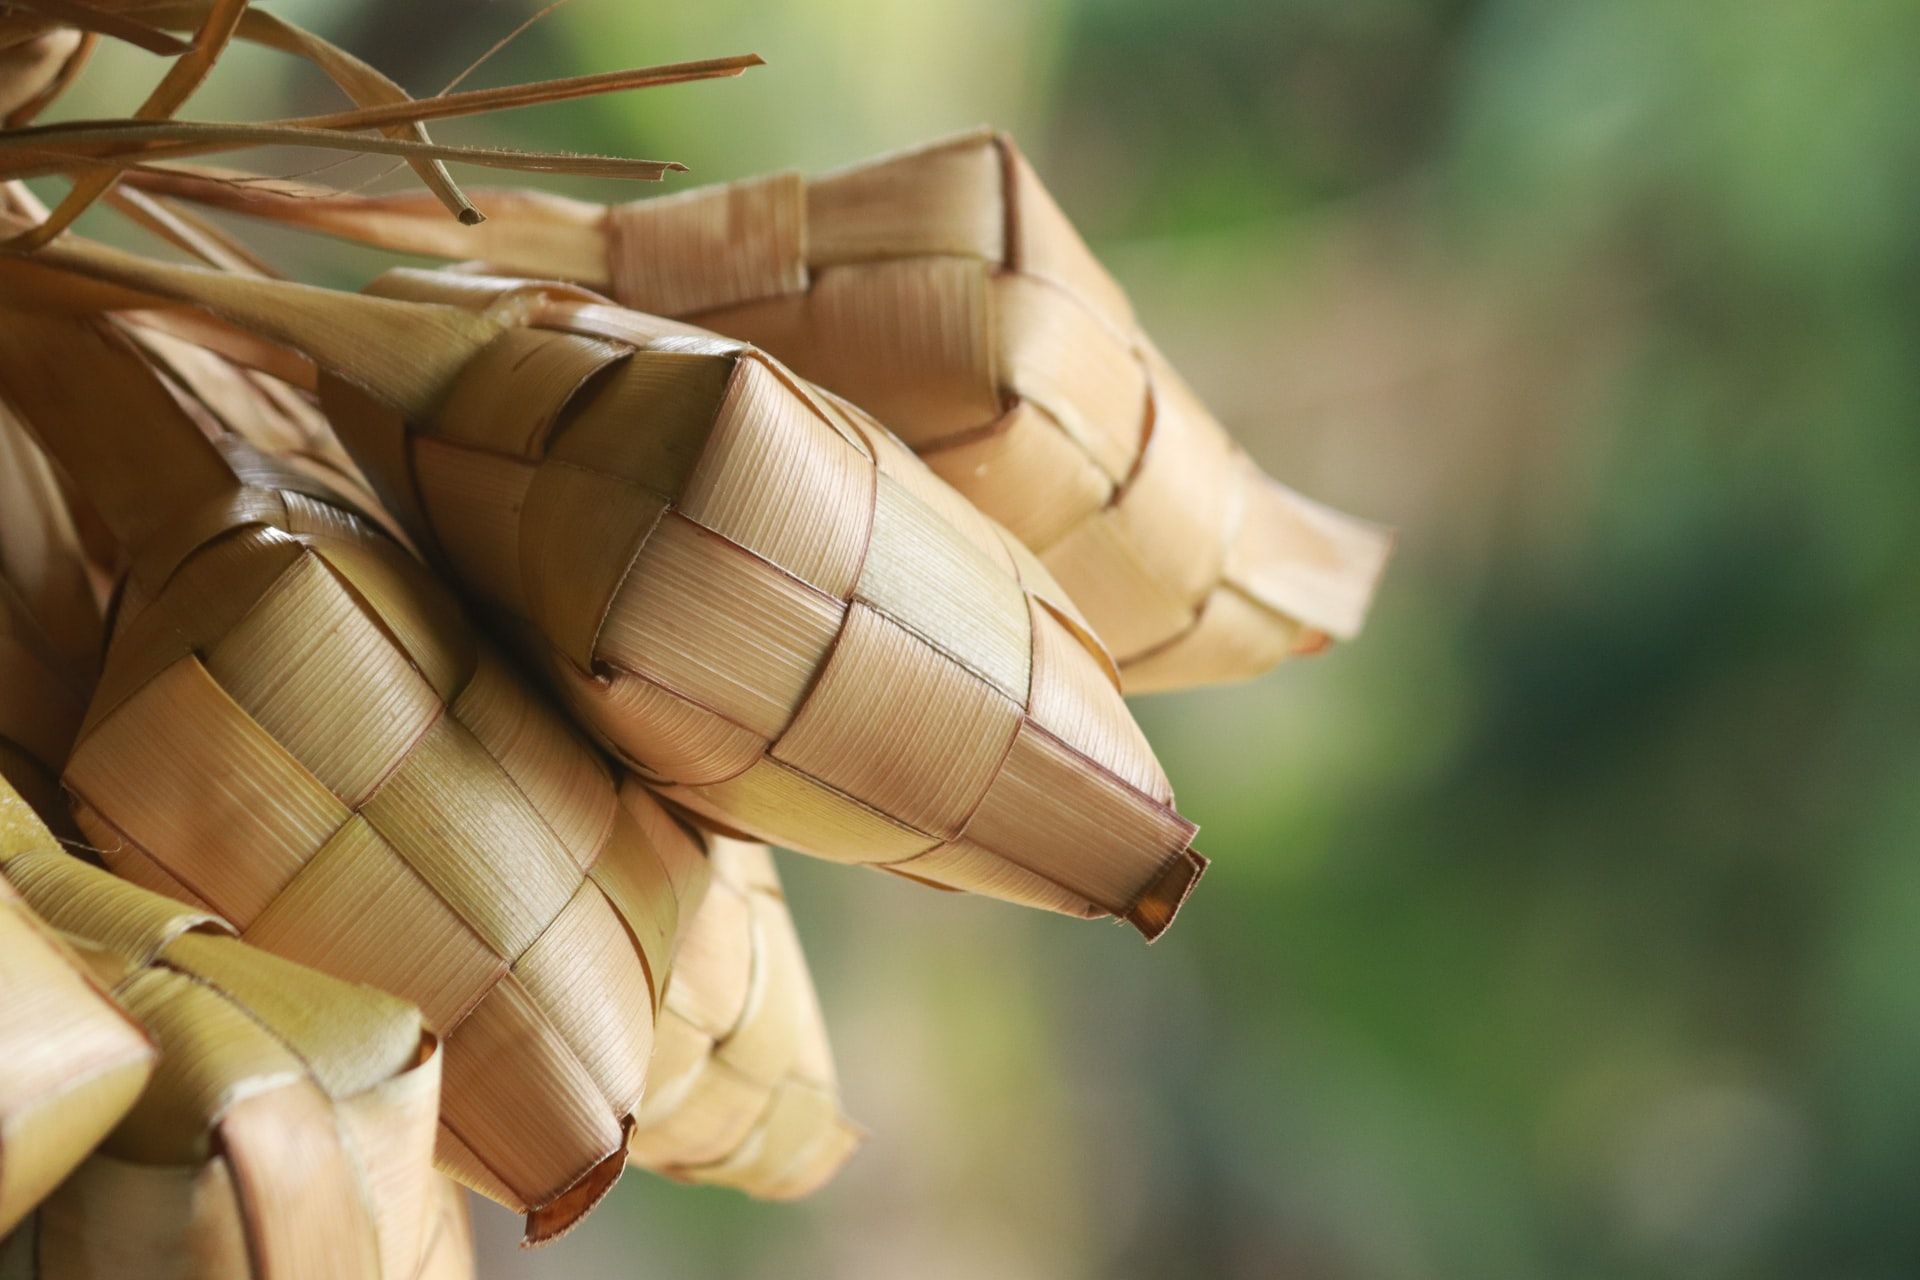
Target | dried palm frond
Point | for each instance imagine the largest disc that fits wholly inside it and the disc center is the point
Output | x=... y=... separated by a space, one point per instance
x=34 y=34
x=72 y=1062
x=943 y=290
x=288 y=1127
x=296 y=726
x=757 y=596
x=742 y=1090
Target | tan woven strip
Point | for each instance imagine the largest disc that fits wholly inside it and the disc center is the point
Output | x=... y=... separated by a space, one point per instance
x=297 y=1188
x=710 y=248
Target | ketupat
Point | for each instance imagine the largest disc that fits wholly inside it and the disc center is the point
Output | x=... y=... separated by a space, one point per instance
x=772 y=610
x=742 y=1090
x=943 y=290
x=296 y=726
x=287 y=1130
x=49 y=634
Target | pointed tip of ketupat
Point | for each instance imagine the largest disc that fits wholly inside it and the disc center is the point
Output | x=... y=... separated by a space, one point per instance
x=1154 y=913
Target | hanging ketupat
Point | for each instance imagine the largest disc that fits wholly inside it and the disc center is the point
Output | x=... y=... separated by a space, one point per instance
x=767 y=607
x=742 y=1090
x=49 y=635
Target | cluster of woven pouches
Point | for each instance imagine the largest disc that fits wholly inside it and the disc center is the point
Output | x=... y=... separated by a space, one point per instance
x=399 y=690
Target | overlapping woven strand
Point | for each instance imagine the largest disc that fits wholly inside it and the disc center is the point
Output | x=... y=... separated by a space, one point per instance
x=287 y=1131
x=742 y=1091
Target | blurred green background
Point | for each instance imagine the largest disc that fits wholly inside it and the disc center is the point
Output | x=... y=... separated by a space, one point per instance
x=1566 y=925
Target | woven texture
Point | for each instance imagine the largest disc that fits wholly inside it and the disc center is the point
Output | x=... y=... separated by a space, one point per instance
x=943 y=290
x=288 y=1127
x=742 y=1090
x=769 y=608
x=296 y=727
x=71 y=1061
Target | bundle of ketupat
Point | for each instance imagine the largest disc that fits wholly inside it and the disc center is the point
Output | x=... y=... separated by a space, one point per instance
x=760 y=601
x=296 y=727
x=741 y=1088
x=943 y=290
x=732 y=576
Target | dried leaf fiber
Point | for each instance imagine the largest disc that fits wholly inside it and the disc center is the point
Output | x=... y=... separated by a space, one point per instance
x=742 y=1090
x=288 y=1127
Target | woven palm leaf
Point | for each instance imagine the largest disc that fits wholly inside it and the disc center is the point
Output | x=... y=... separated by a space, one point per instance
x=255 y=405
x=943 y=290
x=296 y=727
x=741 y=1088
x=72 y=1062
x=757 y=596
x=449 y=1248
x=288 y=1128
x=742 y=1091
